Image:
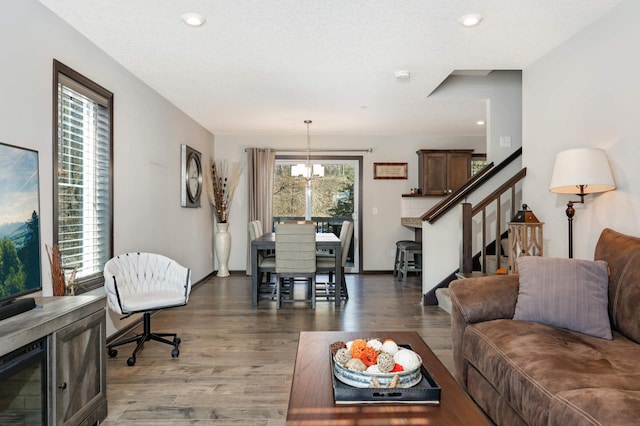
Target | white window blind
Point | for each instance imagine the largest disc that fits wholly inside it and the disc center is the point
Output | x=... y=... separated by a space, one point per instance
x=84 y=161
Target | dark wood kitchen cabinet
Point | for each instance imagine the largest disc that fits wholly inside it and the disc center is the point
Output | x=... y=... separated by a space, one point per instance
x=440 y=172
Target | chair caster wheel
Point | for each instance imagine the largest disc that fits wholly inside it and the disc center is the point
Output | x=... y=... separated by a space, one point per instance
x=175 y=353
x=177 y=341
x=131 y=361
x=112 y=353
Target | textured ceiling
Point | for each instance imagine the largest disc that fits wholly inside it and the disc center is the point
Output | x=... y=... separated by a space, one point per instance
x=264 y=66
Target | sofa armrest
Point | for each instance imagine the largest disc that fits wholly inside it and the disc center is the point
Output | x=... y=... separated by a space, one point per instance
x=485 y=298
x=476 y=300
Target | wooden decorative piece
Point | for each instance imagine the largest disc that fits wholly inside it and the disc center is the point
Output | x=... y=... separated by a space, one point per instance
x=525 y=239
x=390 y=170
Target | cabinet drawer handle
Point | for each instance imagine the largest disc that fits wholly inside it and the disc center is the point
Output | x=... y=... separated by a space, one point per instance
x=63 y=386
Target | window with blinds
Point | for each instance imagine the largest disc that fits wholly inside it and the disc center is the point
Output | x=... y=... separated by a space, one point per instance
x=83 y=161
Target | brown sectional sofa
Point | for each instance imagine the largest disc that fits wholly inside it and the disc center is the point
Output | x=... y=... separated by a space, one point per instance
x=526 y=373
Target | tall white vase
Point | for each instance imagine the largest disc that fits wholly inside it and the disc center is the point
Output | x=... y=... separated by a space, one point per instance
x=223 y=248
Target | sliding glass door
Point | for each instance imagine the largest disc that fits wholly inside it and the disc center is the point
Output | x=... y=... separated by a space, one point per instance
x=327 y=200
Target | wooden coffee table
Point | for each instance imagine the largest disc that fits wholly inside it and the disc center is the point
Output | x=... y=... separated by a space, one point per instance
x=311 y=399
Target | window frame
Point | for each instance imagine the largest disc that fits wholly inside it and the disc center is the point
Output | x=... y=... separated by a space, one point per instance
x=358 y=197
x=95 y=280
x=477 y=158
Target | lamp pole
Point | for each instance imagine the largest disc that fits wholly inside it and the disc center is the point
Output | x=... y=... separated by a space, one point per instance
x=570 y=213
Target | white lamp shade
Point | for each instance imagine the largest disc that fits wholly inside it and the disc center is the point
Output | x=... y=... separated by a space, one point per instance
x=581 y=166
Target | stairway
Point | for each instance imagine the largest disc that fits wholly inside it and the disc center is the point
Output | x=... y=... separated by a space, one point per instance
x=444 y=299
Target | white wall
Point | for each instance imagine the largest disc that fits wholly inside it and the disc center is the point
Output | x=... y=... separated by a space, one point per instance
x=503 y=92
x=586 y=93
x=381 y=231
x=148 y=131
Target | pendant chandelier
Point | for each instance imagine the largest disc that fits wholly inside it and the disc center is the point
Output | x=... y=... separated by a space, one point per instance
x=307 y=170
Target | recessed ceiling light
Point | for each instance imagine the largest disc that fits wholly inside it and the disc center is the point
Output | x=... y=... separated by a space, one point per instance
x=470 y=20
x=194 y=19
x=480 y=122
x=402 y=75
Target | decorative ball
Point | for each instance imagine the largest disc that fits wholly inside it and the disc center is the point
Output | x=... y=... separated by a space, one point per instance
x=407 y=359
x=390 y=347
x=375 y=369
x=375 y=344
x=355 y=364
x=337 y=345
x=385 y=362
x=342 y=356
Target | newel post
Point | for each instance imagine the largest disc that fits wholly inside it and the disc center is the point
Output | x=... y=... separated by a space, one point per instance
x=466 y=257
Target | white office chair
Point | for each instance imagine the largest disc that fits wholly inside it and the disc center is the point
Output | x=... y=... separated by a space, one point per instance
x=144 y=283
x=295 y=257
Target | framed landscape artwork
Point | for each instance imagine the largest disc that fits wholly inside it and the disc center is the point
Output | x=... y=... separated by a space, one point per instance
x=19 y=222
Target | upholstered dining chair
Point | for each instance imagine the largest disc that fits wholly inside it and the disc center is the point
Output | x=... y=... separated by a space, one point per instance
x=145 y=283
x=326 y=263
x=266 y=264
x=295 y=258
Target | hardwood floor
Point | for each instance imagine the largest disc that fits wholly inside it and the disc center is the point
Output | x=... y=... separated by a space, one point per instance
x=236 y=362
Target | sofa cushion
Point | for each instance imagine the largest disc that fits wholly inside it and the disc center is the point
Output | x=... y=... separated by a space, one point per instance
x=595 y=406
x=567 y=293
x=622 y=253
x=528 y=363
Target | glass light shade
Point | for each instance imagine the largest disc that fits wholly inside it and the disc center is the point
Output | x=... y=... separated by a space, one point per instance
x=302 y=170
x=588 y=167
x=318 y=170
x=299 y=170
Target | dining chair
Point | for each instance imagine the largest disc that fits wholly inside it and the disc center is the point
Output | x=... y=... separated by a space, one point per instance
x=326 y=263
x=259 y=228
x=298 y=222
x=295 y=258
x=265 y=267
x=260 y=232
x=346 y=231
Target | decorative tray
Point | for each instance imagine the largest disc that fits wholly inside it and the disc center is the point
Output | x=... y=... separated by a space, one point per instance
x=426 y=391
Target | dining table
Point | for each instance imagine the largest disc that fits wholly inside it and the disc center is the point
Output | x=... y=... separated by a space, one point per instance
x=268 y=242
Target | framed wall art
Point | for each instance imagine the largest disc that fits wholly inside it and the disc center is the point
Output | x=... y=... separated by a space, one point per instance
x=390 y=170
x=190 y=177
x=19 y=222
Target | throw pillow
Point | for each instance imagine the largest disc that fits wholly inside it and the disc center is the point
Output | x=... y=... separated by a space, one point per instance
x=567 y=293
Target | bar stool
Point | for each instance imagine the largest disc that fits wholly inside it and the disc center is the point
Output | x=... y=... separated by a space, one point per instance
x=408 y=258
x=396 y=262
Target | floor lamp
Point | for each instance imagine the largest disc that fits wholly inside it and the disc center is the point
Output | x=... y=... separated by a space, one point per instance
x=580 y=171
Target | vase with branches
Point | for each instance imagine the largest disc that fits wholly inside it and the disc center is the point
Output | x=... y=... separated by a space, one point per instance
x=63 y=284
x=220 y=180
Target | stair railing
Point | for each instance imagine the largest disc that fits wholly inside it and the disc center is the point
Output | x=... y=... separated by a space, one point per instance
x=492 y=201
